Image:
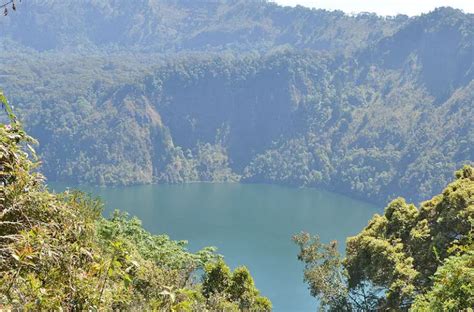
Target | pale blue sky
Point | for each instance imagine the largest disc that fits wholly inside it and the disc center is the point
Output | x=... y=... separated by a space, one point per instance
x=382 y=7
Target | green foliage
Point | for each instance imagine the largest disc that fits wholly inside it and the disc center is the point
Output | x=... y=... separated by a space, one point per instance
x=219 y=282
x=323 y=271
x=406 y=258
x=6 y=106
x=58 y=252
x=217 y=278
x=157 y=248
x=453 y=286
x=242 y=287
x=402 y=249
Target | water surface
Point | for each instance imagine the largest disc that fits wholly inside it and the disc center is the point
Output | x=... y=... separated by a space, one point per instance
x=250 y=224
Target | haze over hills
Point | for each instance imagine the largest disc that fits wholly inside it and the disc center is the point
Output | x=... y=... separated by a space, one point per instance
x=185 y=25
x=243 y=91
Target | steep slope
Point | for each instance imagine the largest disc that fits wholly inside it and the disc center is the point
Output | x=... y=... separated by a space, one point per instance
x=439 y=45
x=375 y=124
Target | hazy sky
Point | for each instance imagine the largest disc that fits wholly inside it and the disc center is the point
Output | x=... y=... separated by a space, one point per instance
x=382 y=7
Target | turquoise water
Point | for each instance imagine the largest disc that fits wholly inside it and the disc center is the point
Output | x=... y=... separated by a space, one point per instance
x=251 y=225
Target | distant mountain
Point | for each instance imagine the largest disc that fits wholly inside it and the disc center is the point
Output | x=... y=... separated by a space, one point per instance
x=371 y=107
x=188 y=25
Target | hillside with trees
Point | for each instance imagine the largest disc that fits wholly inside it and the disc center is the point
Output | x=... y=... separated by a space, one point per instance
x=368 y=106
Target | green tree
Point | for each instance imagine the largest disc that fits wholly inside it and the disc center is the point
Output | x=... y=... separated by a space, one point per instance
x=404 y=256
x=453 y=286
x=217 y=278
x=238 y=286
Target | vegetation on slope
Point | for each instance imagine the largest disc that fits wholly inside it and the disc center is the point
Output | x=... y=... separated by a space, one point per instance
x=391 y=118
x=58 y=252
x=420 y=259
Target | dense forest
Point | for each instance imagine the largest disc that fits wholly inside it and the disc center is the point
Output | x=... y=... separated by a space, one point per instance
x=368 y=106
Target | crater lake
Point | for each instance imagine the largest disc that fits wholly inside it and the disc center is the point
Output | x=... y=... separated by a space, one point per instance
x=250 y=224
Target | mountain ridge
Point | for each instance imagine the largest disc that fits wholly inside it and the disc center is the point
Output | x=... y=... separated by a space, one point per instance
x=378 y=121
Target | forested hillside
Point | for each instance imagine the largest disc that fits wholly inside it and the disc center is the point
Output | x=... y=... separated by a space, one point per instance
x=371 y=107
